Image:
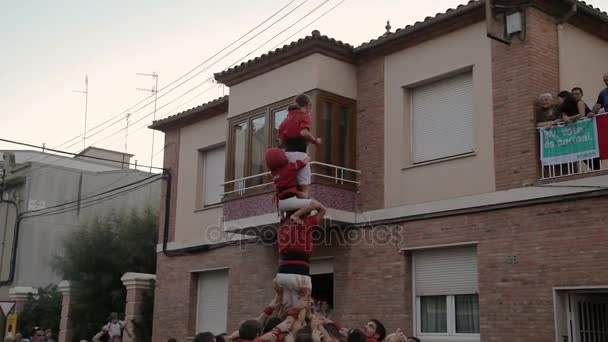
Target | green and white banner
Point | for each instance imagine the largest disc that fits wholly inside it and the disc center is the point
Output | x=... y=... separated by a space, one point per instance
x=569 y=143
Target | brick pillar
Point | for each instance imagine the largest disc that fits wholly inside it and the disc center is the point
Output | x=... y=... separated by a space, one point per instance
x=520 y=72
x=370 y=134
x=65 y=326
x=136 y=284
x=20 y=295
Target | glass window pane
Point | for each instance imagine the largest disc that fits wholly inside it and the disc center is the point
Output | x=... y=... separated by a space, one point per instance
x=240 y=148
x=467 y=314
x=258 y=148
x=433 y=314
x=327 y=118
x=344 y=137
x=279 y=116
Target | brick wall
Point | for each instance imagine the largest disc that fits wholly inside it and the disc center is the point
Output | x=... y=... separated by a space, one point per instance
x=522 y=71
x=370 y=133
x=558 y=244
x=170 y=162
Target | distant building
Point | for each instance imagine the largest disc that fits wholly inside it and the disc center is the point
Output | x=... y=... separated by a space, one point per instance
x=40 y=181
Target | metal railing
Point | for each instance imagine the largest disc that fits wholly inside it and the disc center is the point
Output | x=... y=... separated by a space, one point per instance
x=339 y=175
x=572 y=168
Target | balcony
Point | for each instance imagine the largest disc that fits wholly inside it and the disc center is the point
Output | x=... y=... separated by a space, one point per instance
x=249 y=201
x=574 y=150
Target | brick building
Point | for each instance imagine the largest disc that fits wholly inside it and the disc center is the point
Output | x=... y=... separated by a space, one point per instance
x=441 y=220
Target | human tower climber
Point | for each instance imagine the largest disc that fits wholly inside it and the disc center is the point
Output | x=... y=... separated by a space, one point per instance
x=290 y=169
x=290 y=317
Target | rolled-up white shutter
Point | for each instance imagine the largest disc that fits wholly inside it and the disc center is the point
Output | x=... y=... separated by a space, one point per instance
x=321 y=266
x=214 y=164
x=212 y=302
x=450 y=271
x=442 y=118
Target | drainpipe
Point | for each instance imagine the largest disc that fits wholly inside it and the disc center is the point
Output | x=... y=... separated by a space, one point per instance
x=13 y=264
x=166 y=224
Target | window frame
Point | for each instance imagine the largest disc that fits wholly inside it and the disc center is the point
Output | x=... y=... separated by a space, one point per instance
x=451 y=334
x=268 y=112
x=338 y=101
x=408 y=92
x=200 y=186
x=450 y=319
x=196 y=276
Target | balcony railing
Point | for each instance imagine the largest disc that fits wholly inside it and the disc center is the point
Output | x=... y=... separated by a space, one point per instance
x=333 y=174
x=574 y=149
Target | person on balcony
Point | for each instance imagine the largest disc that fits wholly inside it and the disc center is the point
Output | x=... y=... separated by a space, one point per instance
x=295 y=136
x=577 y=92
x=284 y=174
x=602 y=99
x=547 y=111
x=571 y=108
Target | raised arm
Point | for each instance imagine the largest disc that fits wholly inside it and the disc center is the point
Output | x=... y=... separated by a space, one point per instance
x=305 y=133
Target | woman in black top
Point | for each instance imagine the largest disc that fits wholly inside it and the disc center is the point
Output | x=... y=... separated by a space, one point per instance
x=570 y=108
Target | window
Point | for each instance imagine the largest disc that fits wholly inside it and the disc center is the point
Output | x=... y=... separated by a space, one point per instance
x=445 y=282
x=252 y=133
x=442 y=118
x=336 y=127
x=278 y=116
x=212 y=163
x=259 y=139
x=212 y=312
x=239 y=146
x=322 y=277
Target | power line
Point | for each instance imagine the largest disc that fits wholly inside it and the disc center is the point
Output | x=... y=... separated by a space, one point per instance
x=92 y=196
x=93 y=202
x=242 y=58
x=207 y=68
x=76 y=154
x=310 y=23
x=307 y=25
x=187 y=73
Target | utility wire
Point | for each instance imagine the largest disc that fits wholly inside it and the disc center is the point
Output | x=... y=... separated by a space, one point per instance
x=76 y=154
x=187 y=73
x=92 y=196
x=238 y=61
x=92 y=202
x=119 y=116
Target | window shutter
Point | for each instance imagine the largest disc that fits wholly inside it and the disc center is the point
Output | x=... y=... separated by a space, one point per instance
x=212 y=302
x=322 y=266
x=442 y=118
x=214 y=165
x=450 y=271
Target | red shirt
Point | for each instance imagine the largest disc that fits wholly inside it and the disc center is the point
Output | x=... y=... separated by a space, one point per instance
x=285 y=181
x=296 y=121
x=296 y=238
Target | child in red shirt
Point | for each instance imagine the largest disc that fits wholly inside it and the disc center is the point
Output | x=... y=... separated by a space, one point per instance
x=295 y=248
x=284 y=175
x=295 y=136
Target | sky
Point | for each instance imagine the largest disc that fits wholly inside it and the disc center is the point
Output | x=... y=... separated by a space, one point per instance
x=47 y=48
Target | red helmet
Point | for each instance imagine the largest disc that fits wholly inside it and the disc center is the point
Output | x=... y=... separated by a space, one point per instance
x=275 y=158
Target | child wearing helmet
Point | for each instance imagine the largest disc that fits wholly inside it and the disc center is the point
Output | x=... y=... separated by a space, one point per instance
x=288 y=196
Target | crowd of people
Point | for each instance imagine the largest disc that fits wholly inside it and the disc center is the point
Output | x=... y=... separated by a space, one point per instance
x=37 y=334
x=302 y=323
x=568 y=107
